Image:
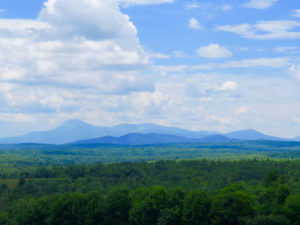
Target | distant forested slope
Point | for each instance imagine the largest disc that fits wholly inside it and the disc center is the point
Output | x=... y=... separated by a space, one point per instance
x=26 y=155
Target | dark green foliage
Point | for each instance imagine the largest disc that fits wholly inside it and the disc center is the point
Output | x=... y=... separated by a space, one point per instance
x=69 y=210
x=95 y=209
x=4 y=219
x=172 y=214
x=292 y=209
x=228 y=207
x=21 y=181
x=33 y=212
x=265 y=220
x=4 y=186
x=244 y=192
x=117 y=208
x=147 y=210
x=271 y=178
x=282 y=192
x=196 y=208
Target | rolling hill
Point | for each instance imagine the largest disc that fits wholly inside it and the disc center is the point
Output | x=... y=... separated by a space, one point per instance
x=150 y=139
x=252 y=135
x=75 y=130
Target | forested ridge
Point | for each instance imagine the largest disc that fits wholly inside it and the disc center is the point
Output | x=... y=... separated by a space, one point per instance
x=145 y=193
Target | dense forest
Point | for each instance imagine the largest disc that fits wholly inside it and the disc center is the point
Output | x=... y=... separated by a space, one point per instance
x=144 y=193
x=22 y=156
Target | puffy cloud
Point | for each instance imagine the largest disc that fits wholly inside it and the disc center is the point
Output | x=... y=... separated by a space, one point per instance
x=296 y=13
x=265 y=30
x=242 y=110
x=196 y=88
x=259 y=4
x=295 y=70
x=78 y=56
x=214 y=51
x=228 y=86
x=92 y=20
x=194 y=24
x=89 y=45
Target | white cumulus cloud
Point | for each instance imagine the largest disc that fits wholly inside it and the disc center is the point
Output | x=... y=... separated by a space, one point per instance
x=228 y=86
x=194 y=24
x=295 y=70
x=242 y=110
x=91 y=44
x=296 y=13
x=70 y=61
x=214 y=51
x=195 y=88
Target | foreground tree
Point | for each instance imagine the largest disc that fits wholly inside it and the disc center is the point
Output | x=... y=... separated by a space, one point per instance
x=196 y=208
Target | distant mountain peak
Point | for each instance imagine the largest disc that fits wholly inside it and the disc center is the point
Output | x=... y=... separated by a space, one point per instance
x=251 y=134
x=75 y=129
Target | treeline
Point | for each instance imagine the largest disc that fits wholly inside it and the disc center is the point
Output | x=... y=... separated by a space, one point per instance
x=247 y=169
x=205 y=174
x=159 y=206
x=193 y=192
x=191 y=175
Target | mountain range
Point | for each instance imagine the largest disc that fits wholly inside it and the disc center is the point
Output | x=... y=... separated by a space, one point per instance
x=77 y=131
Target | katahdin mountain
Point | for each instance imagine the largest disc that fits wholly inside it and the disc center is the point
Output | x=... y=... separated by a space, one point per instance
x=77 y=131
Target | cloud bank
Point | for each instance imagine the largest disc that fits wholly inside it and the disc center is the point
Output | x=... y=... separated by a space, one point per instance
x=214 y=51
x=265 y=30
x=70 y=59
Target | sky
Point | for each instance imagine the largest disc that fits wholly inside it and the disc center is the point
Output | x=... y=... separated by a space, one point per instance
x=218 y=65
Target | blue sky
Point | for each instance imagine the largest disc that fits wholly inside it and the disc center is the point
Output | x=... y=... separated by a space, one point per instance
x=202 y=65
